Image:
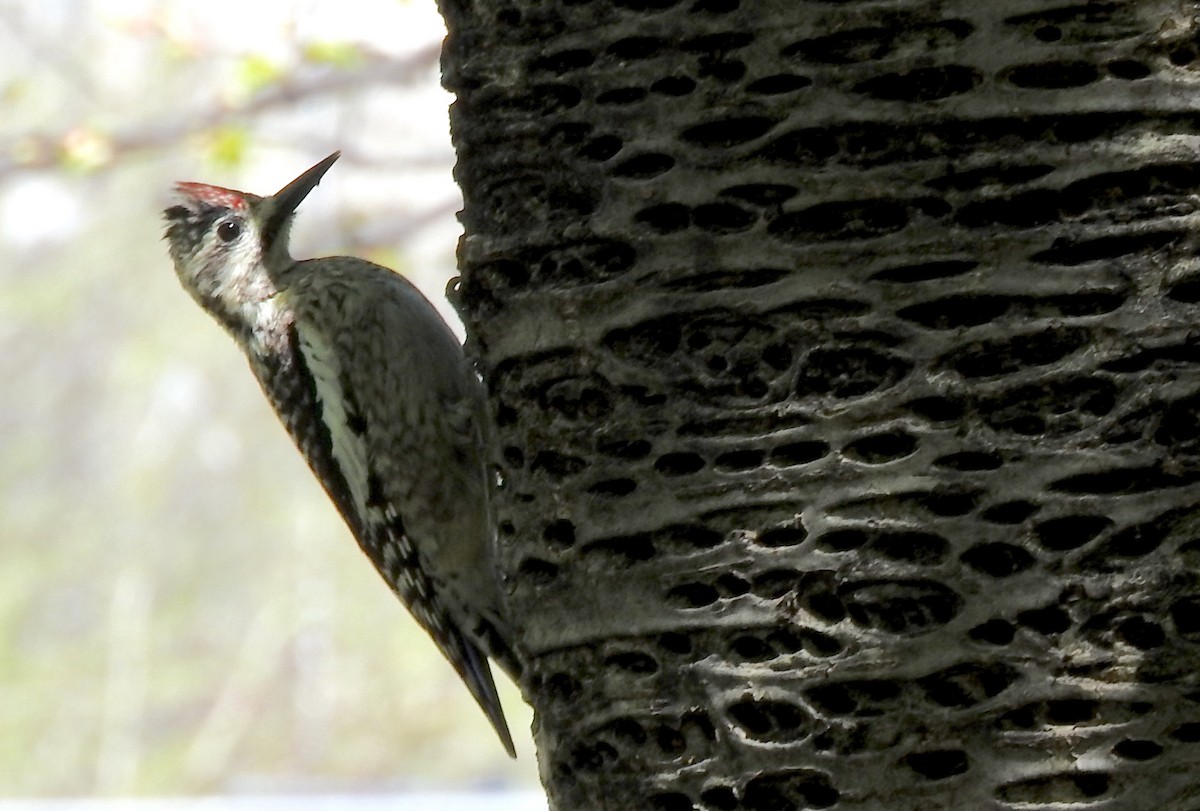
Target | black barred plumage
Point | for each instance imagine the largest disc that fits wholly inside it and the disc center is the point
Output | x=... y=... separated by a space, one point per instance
x=375 y=391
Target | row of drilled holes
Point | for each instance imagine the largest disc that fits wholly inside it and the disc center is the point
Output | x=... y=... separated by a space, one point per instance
x=897 y=606
x=998 y=559
x=770 y=791
x=857 y=142
x=894 y=31
x=959 y=686
x=742 y=645
x=868 y=219
x=879 y=143
x=917 y=84
x=874 y=449
x=687 y=463
x=655 y=739
x=1094 y=397
x=850 y=370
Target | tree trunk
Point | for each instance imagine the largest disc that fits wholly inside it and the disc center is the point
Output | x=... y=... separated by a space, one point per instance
x=844 y=365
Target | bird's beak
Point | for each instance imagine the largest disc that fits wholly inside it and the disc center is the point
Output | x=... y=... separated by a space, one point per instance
x=287 y=199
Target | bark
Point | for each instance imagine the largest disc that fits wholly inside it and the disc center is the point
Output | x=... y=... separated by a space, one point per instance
x=843 y=357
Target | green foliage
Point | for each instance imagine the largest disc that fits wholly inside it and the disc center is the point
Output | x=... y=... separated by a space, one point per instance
x=344 y=55
x=256 y=72
x=227 y=145
x=85 y=149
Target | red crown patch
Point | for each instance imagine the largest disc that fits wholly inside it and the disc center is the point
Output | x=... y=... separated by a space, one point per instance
x=214 y=195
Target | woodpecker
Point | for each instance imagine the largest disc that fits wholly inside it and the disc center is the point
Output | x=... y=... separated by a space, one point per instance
x=375 y=391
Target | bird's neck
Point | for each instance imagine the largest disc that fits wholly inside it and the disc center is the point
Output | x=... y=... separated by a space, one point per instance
x=266 y=324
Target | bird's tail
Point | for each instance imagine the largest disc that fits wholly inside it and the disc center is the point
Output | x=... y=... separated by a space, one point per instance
x=404 y=572
x=476 y=673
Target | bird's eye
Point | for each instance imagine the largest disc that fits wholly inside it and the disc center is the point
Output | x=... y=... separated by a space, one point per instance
x=229 y=230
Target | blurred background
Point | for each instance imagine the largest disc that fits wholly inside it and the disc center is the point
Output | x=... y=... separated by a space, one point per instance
x=181 y=609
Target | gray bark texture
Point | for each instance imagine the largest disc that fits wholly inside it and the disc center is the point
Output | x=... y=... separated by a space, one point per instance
x=844 y=363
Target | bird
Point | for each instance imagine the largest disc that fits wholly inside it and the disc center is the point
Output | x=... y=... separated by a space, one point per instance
x=379 y=397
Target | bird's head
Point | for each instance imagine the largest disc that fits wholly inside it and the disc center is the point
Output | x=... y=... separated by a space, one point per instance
x=227 y=244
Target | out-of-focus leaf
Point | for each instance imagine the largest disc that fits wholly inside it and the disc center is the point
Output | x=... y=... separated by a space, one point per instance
x=255 y=72
x=227 y=145
x=84 y=149
x=338 y=54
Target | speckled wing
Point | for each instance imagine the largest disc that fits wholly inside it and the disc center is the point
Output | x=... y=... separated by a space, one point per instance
x=291 y=390
x=397 y=445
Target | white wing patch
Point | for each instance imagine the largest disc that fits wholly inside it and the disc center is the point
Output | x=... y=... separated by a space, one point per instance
x=349 y=449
